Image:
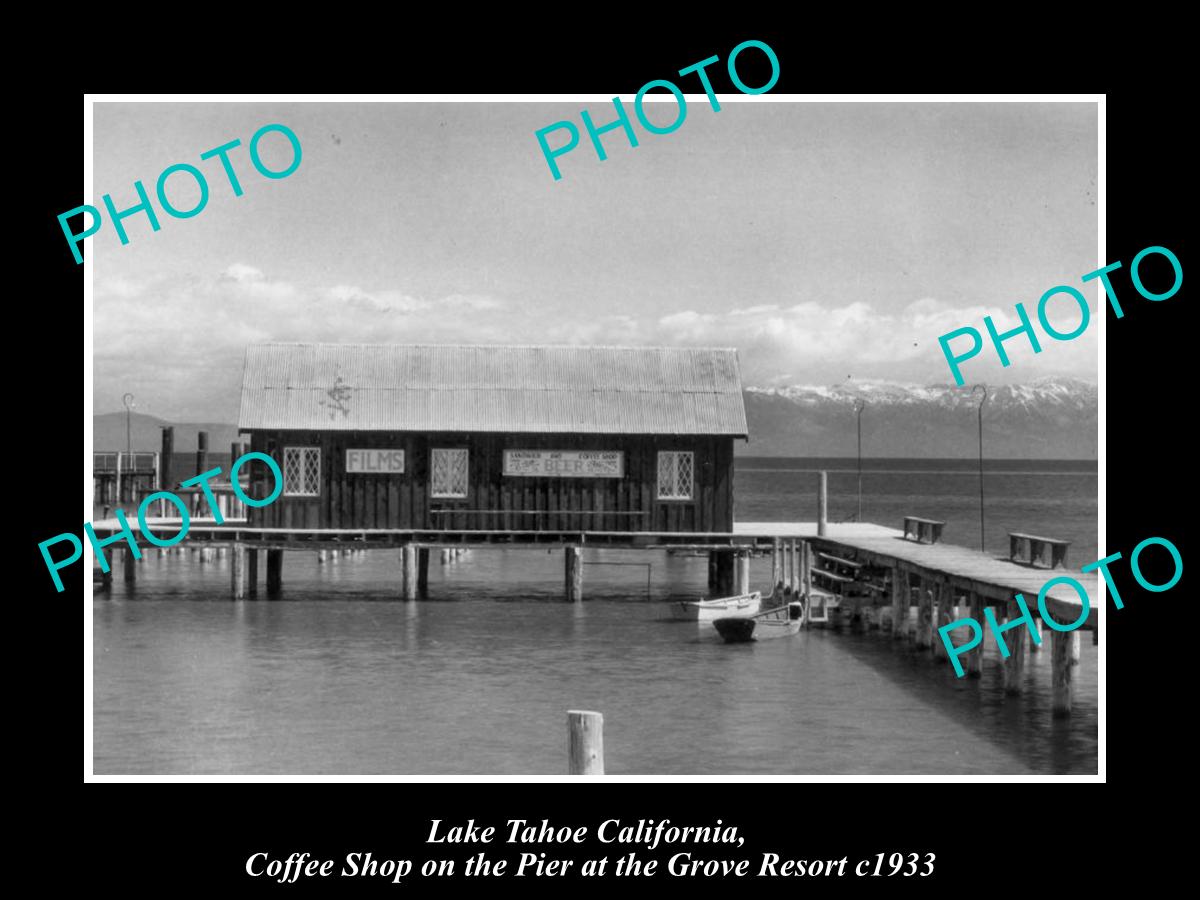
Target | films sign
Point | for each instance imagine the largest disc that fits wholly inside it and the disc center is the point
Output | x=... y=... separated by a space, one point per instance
x=375 y=462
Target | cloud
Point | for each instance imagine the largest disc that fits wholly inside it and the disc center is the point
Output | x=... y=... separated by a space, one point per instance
x=824 y=343
x=179 y=341
x=242 y=273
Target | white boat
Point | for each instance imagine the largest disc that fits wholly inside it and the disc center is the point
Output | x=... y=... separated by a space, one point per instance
x=708 y=610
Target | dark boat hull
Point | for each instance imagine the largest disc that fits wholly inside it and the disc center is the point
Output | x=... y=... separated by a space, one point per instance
x=783 y=620
x=735 y=629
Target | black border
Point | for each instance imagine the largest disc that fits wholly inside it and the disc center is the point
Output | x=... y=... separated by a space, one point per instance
x=168 y=836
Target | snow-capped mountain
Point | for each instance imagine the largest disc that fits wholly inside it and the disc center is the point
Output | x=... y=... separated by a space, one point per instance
x=1054 y=417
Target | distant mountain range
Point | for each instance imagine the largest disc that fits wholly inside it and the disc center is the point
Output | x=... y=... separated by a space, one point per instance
x=1051 y=418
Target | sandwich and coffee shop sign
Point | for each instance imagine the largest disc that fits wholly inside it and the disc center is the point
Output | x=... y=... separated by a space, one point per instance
x=565 y=463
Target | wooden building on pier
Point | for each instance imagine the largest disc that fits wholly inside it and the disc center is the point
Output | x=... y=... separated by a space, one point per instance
x=495 y=438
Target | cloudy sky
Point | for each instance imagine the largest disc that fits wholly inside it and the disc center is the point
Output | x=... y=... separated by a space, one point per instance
x=823 y=241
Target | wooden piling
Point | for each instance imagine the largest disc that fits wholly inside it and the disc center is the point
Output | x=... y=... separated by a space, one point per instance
x=237 y=572
x=924 y=614
x=822 y=503
x=741 y=583
x=1064 y=659
x=857 y=616
x=725 y=572
x=712 y=569
x=585 y=741
x=1034 y=646
x=777 y=564
x=975 y=655
x=806 y=568
x=1014 y=663
x=274 y=572
x=573 y=573
x=252 y=571
x=408 y=571
x=201 y=456
x=423 y=572
x=945 y=605
x=128 y=565
x=899 y=602
x=165 y=483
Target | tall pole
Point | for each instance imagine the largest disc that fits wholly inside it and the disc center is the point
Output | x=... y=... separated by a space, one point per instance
x=128 y=401
x=982 y=541
x=858 y=408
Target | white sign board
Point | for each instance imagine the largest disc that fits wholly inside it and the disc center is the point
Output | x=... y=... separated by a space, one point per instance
x=565 y=463
x=375 y=462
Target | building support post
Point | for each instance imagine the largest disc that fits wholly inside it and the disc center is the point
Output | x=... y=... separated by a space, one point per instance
x=725 y=574
x=423 y=573
x=573 y=573
x=408 y=571
x=274 y=572
x=237 y=572
x=741 y=583
x=252 y=571
x=128 y=566
x=777 y=565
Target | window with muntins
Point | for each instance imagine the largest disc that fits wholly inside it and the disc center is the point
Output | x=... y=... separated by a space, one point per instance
x=301 y=471
x=675 y=481
x=449 y=473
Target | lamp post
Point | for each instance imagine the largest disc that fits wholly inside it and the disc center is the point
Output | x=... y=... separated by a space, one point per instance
x=859 y=405
x=983 y=387
x=128 y=401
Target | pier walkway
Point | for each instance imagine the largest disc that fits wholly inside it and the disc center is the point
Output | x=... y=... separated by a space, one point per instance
x=965 y=570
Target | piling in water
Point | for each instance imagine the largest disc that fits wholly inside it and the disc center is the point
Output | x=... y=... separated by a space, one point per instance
x=585 y=742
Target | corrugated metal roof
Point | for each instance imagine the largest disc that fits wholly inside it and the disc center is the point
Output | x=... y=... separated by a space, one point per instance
x=587 y=390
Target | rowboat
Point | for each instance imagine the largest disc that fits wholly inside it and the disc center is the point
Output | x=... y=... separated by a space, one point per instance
x=708 y=610
x=777 y=622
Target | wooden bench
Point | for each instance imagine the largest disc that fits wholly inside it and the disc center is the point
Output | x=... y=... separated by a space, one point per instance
x=923 y=529
x=1037 y=548
x=839 y=561
x=832 y=576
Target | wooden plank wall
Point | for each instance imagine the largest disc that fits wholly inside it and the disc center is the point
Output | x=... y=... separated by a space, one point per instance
x=494 y=501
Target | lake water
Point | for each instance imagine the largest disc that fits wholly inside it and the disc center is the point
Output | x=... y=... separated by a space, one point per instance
x=338 y=677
